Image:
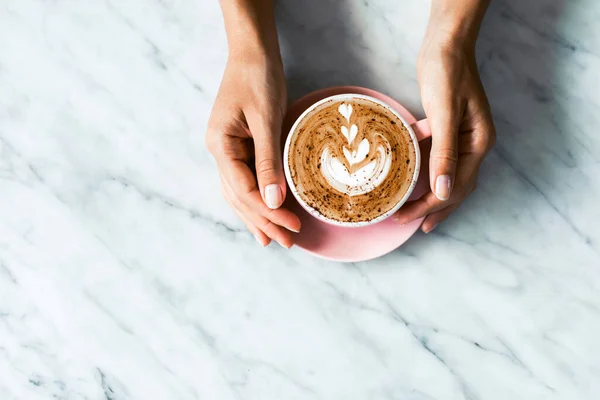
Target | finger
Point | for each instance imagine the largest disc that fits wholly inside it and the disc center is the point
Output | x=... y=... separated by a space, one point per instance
x=444 y=114
x=272 y=231
x=432 y=220
x=266 y=132
x=260 y=236
x=466 y=178
x=483 y=132
x=419 y=208
x=263 y=225
x=243 y=184
x=282 y=236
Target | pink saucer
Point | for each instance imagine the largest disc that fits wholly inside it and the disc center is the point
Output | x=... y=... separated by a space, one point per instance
x=353 y=244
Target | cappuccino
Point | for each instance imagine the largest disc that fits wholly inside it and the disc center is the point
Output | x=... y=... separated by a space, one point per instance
x=351 y=159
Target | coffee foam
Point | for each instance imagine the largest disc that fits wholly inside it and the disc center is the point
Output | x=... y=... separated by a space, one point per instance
x=351 y=160
x=350 y=180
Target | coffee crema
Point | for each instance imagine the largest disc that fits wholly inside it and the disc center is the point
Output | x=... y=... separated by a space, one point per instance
x=351 y=160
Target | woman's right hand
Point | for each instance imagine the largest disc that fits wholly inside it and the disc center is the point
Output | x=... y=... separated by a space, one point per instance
x=244 y=136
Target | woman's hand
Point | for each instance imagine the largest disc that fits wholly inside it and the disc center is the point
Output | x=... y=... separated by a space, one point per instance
x=244 y=130
x=244 y=136
x=459 y=115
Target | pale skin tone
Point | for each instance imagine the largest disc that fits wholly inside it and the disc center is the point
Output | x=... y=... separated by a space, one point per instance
x=244 y=130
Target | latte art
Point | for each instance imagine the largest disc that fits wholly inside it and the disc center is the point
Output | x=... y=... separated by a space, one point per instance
x=353 y=176
x=351 y=160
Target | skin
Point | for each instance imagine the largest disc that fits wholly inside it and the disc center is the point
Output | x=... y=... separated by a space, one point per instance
x=457 y=109
x=245 y=124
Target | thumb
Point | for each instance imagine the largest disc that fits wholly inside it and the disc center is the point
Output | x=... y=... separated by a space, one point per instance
x=268 y=162
x=444 y=121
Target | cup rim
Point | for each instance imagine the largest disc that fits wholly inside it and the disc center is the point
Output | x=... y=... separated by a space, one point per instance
x=315 y=213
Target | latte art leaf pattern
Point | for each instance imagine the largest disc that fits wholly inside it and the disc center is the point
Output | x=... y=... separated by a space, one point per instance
x=354 y=177
x=351 y=160
x=357 y=156
x=346 y=110
x=350 y=135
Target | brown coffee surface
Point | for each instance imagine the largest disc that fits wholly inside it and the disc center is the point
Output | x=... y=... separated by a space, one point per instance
x=322 y=131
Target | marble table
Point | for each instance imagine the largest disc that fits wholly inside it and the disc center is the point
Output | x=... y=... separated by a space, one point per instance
x=123 y=274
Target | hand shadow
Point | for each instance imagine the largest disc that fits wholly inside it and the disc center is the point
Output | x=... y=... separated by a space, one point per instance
x=518 y=49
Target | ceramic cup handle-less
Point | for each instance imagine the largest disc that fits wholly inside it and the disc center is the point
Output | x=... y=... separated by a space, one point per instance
x=418 y=131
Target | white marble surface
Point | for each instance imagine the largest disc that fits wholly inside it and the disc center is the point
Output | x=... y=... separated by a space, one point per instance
x=123 y=275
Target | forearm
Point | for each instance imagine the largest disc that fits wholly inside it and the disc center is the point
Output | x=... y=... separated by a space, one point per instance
x=251 y=29
x=458 y=19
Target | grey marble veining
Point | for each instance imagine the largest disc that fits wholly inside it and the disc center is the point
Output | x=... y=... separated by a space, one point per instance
x=123 y=274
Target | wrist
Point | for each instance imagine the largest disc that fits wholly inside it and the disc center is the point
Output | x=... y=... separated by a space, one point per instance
x=456 y=23
x=255 y=54
x=251 y=31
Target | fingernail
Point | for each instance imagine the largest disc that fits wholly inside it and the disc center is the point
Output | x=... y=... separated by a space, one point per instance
x=273 y=196
x=399 y=220
x=443 y=185
x=294 y=230
x=258 y=240
x=287 y=247
x=432 y=228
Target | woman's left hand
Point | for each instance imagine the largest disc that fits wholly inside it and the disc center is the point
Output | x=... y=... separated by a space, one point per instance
x=461 y=123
